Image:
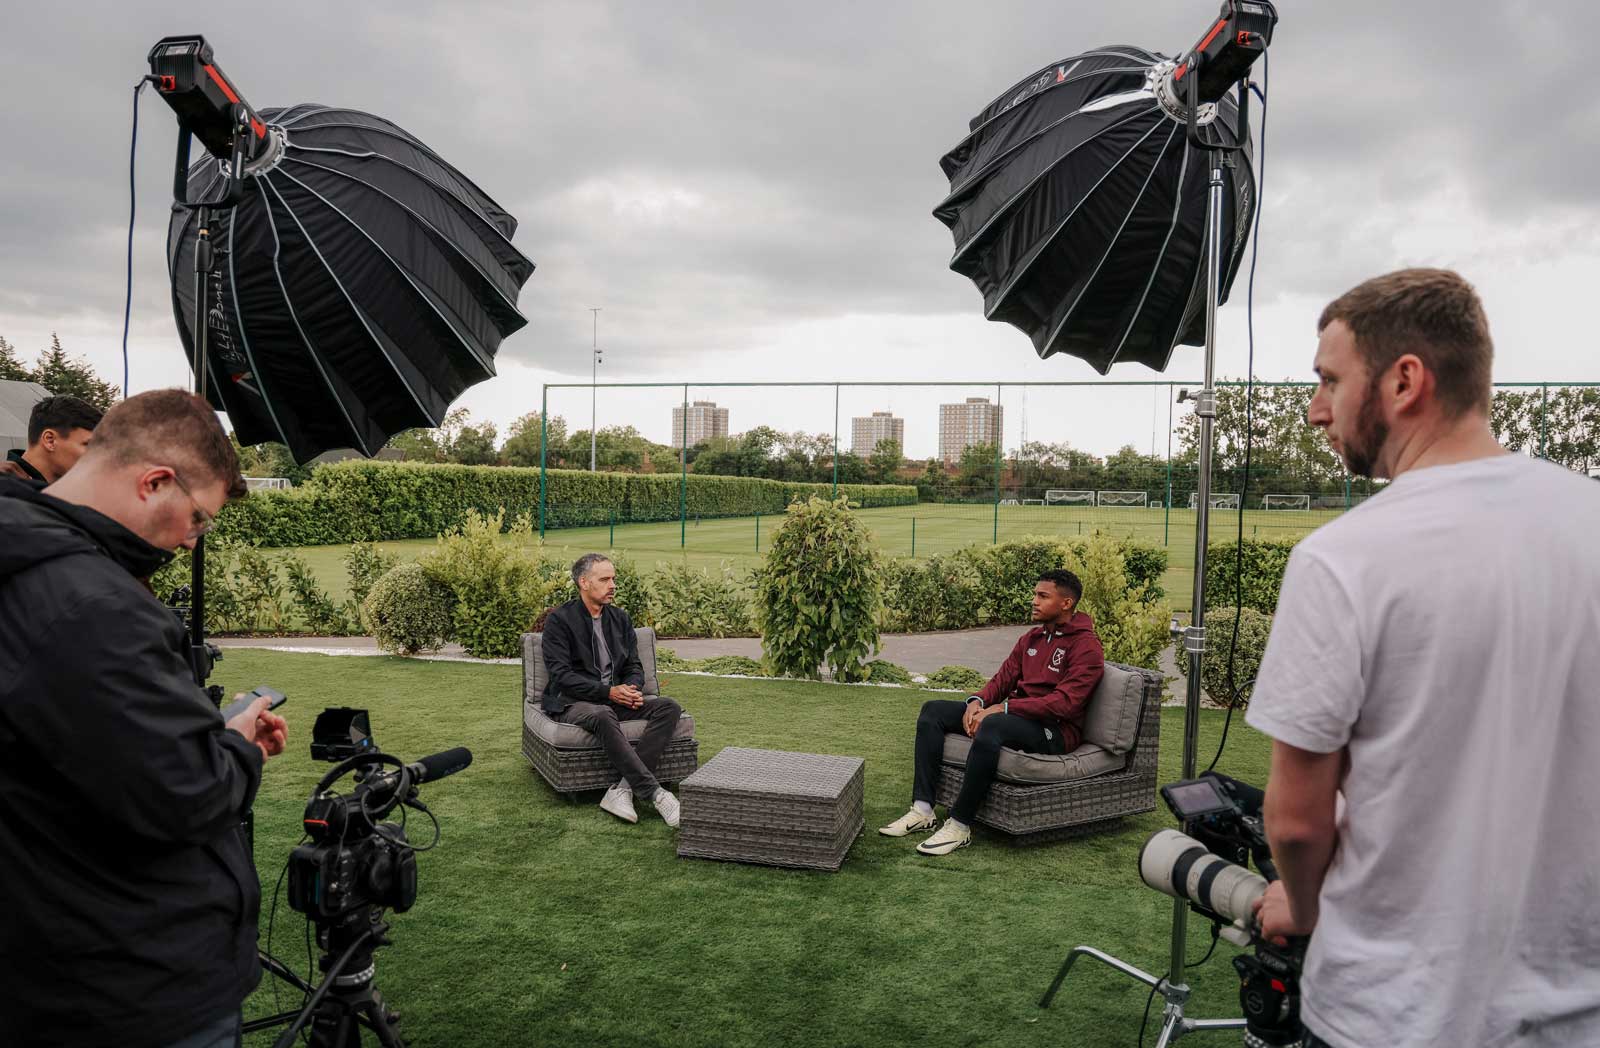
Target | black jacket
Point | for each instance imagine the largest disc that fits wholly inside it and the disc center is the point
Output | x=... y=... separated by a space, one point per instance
x=569 y=658
x=129 y=900
x=15 y=455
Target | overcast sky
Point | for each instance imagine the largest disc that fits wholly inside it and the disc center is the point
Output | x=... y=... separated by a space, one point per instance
x=745 y=188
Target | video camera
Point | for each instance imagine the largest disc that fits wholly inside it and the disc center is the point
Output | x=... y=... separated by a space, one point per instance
x=355 y=865
x=1206 y=866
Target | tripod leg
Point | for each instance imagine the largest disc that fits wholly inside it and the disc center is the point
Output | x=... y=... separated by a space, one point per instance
x=1105 y=958
x=1172 y=1029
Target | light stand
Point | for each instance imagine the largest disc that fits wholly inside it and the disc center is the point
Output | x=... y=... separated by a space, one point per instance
x=1173 y=988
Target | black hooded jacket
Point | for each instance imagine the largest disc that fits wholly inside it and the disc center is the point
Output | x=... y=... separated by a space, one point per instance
x=128 y=900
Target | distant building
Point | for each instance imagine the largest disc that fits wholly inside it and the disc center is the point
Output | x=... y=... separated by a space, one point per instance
x=865 y=433
x=706 y=420
x=963 y=425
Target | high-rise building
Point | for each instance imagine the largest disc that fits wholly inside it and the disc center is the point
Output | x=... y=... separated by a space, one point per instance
x=963 y=425
x=706 y=420
x=865 y=432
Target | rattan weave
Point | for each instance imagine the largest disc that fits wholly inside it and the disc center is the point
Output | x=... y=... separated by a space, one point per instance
x=1037 y=813
x=773 y=807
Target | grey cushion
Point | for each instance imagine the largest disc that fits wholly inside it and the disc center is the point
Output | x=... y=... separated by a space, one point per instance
x=572 y=737
x=1032 y=769
x=535 y=677
x=1112 y=720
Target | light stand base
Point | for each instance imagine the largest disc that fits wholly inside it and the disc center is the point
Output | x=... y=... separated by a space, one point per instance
x=1174 y=1023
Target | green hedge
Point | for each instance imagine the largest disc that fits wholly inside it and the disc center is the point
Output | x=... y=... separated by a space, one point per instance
x=363 y=501
x=1264 y=565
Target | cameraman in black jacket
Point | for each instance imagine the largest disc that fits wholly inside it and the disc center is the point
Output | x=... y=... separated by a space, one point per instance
x=129 y=896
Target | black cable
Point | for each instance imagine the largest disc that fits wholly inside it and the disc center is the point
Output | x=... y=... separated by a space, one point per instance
x=1249 y=406
x=127 y=302
x=1146 y=1018
x=1216 y=933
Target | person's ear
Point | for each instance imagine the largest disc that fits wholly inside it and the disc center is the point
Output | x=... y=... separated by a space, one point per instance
x=1409 y=383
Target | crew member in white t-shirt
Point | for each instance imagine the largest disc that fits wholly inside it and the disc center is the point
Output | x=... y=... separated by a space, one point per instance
x=1435 y=660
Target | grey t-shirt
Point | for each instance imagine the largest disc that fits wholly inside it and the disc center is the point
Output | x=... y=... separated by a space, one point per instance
x=602 y=654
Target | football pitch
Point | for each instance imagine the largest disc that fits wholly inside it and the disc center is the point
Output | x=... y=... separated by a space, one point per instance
x=901 y=531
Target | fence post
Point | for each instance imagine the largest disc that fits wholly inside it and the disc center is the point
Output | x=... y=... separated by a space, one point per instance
x=1544 y=417
x=683 y=477
x=913 y=536
x=999 y=459
x=758 y=532
x=612 y=542
x=1347 y=491
x=1166 y=523
x=836 y=440
x=544 y=429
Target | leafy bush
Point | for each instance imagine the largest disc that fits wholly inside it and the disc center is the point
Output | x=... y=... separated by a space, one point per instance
x=409 y=610
x=499 y=590
x=1009 y=572
x=955 y=678
x=1254 y=628
x=264 y=607
x=881 y=672
x=1264 y=565
x=365 y=564
x=318 y=612
x=1131 y=628
x=819 y=593
x=944 y=592
x=696 y=603
x=667 y=659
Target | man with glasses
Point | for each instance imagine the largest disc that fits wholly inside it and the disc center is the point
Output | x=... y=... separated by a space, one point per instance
x=130 y=897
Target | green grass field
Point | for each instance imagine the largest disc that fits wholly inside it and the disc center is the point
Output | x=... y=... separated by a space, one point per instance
x=901 y=531
x=544 y=923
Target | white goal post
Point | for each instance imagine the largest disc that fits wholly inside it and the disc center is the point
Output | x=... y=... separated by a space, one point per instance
x=1140 y=499
x=1219 y=500
x=1285 y=501
x=1063 y=497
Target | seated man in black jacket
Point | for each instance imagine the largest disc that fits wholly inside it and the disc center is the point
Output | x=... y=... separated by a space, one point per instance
x=592 y=656
x=129 y=897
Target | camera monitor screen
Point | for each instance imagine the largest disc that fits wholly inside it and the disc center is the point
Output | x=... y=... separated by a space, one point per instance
x=1196 y=798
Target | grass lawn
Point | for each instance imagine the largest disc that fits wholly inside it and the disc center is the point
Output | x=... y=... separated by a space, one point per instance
x=540 y=922
x=922 y=530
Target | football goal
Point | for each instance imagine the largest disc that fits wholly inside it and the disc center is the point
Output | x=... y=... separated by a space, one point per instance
x=1123 y=498
x=1285 y=501
x=1219 y=500
x=1033 y=502
x=1061 y=497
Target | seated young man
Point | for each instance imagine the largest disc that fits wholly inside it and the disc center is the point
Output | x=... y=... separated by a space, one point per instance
x=1035 y=703
x=59 y=429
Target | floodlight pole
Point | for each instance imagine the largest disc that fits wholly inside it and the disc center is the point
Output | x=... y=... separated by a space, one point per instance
x=594 y=379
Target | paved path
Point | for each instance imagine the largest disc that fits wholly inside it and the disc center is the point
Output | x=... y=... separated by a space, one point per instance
x=922 y=653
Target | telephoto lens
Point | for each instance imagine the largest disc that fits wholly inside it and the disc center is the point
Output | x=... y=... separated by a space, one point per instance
x=1176 y=864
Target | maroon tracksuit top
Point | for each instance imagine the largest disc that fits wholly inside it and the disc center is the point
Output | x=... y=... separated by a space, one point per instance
x=1050 y=675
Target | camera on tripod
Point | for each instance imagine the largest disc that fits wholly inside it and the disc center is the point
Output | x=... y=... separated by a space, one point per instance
x=355 y=865
x=1207 y=867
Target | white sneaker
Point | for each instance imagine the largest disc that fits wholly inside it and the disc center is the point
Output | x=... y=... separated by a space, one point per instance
x=911 y=822
x=951 y=835
x=619 y=802
x=667 y=806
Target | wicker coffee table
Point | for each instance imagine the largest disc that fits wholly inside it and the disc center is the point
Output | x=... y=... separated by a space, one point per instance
x=772 y=807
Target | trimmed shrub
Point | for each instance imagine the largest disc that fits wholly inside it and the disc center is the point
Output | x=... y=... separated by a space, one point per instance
x=696 y=603
x=955 y=678
x=371 y=501
x=499 y=590
x=1132 y=629
x=667 y=659
x=1254 y=628
x=365 y=564
x=881 y=672
x=731 y=664
x=1264 y=565
x=819 y=595
x=409 y=611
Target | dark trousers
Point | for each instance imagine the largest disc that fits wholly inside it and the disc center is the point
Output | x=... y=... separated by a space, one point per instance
x=604 y=720
x=943 y=716
x=223 y=1033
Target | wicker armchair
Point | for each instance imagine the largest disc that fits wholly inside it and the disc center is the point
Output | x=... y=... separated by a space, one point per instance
x=1093 y=786
x=569 y=758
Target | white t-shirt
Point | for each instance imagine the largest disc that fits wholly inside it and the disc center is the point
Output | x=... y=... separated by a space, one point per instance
x=1448 y=632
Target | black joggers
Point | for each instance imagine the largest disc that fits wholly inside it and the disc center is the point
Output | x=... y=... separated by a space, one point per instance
x=943 y=716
